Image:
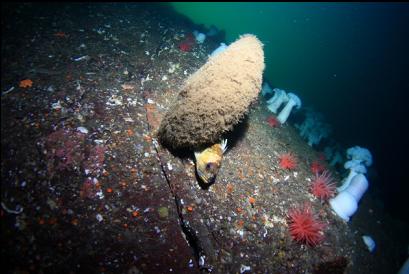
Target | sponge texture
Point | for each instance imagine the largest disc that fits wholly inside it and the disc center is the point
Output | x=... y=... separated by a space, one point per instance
x=216 y=97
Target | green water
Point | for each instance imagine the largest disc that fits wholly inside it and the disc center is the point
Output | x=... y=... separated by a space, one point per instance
x=319 y=50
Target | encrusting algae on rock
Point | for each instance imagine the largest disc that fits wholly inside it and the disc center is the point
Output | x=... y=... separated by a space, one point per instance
x=212 y=101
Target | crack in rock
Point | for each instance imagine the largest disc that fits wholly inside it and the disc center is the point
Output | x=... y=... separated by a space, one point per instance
x=190 y=234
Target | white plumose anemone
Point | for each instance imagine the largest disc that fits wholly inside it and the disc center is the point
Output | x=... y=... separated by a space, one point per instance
x=360 y=157
x=293 y=101
x=280 y=97
x=345 y=204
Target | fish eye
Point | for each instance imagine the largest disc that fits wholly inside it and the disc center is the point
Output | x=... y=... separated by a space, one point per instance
x=209 y=166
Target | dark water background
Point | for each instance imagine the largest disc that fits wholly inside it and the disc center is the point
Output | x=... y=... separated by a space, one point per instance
x=349 y=61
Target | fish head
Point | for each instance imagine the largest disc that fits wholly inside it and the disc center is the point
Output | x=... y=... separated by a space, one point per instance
x=208 y=163
x=207 y=172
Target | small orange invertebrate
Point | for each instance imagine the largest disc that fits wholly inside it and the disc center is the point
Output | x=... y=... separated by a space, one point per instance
x=27 y=83
x=127 y=87
x=52 y=221
x=229 y=188
x=60 y=34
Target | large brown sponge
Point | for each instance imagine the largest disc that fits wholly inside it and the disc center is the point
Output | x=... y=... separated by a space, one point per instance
x=216 y=97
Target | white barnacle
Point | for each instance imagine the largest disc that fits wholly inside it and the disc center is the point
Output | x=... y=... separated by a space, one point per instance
x=99 y=217
x=244 y=268
x=202 y=260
